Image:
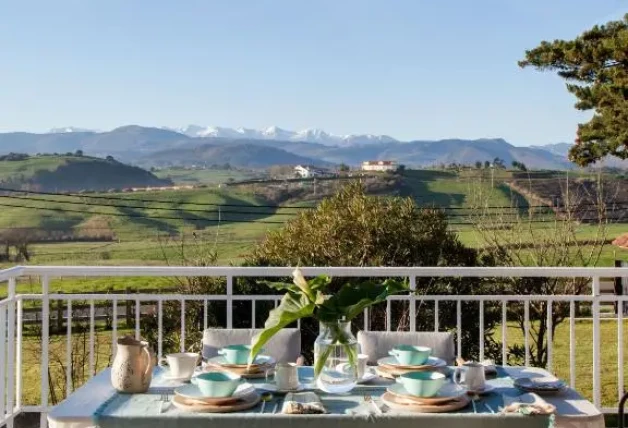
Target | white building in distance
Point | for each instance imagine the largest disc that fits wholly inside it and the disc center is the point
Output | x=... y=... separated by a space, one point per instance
x=308 y=171
x=381 y=165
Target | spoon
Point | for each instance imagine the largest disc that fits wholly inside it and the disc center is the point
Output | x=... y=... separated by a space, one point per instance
x=266 y=396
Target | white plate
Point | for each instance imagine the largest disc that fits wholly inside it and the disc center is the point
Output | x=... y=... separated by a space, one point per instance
x=486 y=390
x=271 y=387
x=168 y=376
x=369 y=375
x=540 y=384
x=392 y=361
x=192 y=392
x=259 y=360
x=448 y=392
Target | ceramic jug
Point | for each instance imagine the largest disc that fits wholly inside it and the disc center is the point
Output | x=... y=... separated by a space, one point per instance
x=132 y=368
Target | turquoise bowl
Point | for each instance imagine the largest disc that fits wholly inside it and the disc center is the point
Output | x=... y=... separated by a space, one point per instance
x=217 y=384
x=410 y=355
x=236 y=354
x=422 y=384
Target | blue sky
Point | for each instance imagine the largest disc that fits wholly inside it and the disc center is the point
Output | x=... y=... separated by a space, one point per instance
x=412 y=69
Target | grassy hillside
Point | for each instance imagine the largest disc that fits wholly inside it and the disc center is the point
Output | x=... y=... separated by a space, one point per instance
x=150 y=228
x=73 y=173
x=206 y=176
x=240 y=155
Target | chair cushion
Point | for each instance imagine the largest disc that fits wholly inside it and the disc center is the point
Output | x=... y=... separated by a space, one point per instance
x=285 y=346
x=376 y=344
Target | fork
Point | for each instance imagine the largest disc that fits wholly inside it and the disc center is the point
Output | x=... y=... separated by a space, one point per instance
x=164 y=401
x=369 y=399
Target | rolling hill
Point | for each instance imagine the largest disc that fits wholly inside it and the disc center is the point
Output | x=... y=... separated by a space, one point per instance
x=236 y=154
x=73 y=173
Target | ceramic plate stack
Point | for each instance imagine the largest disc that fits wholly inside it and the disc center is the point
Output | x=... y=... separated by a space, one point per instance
x=257 y=370
x=541 y=386
x=390 y=368
x=450 y=398
x=189 y=398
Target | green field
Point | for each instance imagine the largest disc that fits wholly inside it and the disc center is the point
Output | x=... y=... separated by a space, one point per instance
x=206 y=176
x=28 y=168
x=160 y=227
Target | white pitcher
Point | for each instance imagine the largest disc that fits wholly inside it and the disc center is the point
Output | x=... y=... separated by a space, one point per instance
x=132 y=368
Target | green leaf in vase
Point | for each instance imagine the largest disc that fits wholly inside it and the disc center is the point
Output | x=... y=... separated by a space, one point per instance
x=293 y=306
x=282 y=286
x=320 y=282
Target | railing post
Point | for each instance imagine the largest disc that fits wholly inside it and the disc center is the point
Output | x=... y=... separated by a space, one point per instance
x=129 y=317
x=597 y=396
x=59 y=314
x=45 y=332
x=229 y=301
x=3 y=355
x=413 y=303
x=11 y=347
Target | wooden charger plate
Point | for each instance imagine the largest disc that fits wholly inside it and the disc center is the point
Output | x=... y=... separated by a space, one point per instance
x=244 y=403
x=391 y=372
x=436 y=400
x=396 y=403
x=257 y=373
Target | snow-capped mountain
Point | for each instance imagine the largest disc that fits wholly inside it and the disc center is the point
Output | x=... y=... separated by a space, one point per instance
x=311 y=135
x=69 y=129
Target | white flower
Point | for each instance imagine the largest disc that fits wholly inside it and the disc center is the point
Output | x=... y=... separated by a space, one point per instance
x=300 y=281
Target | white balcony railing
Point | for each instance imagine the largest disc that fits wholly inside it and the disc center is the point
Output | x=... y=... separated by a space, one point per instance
x=17 y=310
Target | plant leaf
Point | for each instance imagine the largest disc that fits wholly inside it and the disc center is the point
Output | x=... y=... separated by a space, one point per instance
x=293 y=306
x=321 y=359
x=351 y=299
x=320 y=282
x=282 y=286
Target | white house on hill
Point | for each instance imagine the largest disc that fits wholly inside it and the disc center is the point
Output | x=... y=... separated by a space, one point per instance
x=381 y=165
x=308 y=171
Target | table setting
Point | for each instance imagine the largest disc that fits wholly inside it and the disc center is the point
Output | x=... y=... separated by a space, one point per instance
x=242 y=384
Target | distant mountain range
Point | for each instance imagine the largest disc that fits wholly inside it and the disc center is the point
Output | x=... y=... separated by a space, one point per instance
x=250 y=148
x=312 y=135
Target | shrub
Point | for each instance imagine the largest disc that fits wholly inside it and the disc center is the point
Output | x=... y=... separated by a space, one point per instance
x=354 y=229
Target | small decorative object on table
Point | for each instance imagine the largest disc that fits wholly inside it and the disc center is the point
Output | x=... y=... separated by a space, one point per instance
x=527 y=404
x=132 y=368
x=302 y=403
x=336 y=346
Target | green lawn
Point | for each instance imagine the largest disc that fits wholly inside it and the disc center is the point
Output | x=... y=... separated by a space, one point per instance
x=583 y=329
x=584 y=355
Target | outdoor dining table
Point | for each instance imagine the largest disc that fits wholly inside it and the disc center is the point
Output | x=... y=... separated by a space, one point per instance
x=97 y=404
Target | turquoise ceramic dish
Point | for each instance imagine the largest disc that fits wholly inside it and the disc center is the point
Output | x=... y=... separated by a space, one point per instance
x=236 y=354
x=410 y=355
x=422 y=384
x=217 y=384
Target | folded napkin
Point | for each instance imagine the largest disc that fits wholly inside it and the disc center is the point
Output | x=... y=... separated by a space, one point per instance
x=302 y=403
x=489 y=365
x=527 y=404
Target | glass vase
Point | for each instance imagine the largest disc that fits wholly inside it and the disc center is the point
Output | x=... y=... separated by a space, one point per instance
x=335 y=357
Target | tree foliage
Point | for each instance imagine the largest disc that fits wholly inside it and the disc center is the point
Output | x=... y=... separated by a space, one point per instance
x=354 y=229
x=595 y=65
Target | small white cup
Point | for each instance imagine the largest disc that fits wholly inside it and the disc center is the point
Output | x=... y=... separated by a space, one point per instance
x=362 y=361
x=181 y=365
x=471 y=375
x=286 y=376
